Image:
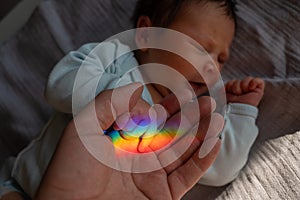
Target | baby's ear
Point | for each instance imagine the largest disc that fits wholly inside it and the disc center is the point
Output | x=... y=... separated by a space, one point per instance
x=142 y=33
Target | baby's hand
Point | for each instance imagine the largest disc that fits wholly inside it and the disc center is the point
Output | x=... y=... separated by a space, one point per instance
x=248 y=91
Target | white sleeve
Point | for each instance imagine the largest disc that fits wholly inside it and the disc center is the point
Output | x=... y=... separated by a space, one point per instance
x=237 y=136
x=99 y=60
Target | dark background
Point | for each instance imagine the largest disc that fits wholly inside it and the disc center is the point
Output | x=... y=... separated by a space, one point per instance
x=6 y=6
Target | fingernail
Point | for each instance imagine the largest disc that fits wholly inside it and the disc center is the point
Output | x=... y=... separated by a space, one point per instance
x=207 y=146
x=192 y=100
x=211 y=133
x=215 y=128
x=122 y=121
x=185 y=95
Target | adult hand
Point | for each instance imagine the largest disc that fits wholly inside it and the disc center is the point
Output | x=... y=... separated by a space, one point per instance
x=74 y=173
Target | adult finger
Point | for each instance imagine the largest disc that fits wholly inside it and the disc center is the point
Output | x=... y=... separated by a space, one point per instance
x=207 y=134
x=190 y=114
x=169 y=107
x=187 y=175
x=154 y=184
x=192 y=133
x=135 y=120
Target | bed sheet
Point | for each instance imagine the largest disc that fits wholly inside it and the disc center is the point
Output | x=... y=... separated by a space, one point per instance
x=55 y=28
x=272 y=172
x=267 y=45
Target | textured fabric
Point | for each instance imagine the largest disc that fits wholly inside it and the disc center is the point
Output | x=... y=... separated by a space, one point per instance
x=267 y=44
x=271 y=173
x=98 y=66
x=28 y=168
x=55 y=28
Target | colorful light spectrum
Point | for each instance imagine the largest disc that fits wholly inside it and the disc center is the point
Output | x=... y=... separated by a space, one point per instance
x=142 y=142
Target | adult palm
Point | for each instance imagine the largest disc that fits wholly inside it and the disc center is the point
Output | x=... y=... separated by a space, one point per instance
x=74 y=173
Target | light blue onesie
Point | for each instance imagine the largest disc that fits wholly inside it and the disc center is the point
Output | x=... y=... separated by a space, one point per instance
x=25 y=172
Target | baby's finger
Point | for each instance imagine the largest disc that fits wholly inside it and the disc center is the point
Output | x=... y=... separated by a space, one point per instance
x=245 y=84
x=122 y=122
x=158 y=118
x=135 y=127
x=236 y=88
x=110 y=102
x=228 y=86
x=172 y=103
x=257 y=83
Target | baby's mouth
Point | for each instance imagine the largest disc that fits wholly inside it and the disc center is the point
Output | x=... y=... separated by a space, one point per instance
x=199 y=88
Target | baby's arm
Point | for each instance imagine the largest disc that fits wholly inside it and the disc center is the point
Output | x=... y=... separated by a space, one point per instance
x=98 y=61
x=238 y=136
x=239 y=132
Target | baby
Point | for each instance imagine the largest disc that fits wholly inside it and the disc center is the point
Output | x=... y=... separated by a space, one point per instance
x=211 y=24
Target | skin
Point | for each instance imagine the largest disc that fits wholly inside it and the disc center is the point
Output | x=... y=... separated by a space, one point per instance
x=64 y=180
x=249 y=91
x=214 y=31
x=90 y=179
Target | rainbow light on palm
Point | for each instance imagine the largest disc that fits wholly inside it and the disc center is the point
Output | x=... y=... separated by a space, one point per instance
x=144 y=137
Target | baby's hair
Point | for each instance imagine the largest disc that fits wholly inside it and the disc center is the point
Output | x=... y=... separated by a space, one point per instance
x=163 y=12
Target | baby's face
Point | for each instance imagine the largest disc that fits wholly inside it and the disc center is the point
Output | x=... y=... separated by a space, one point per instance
x=213 y=30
